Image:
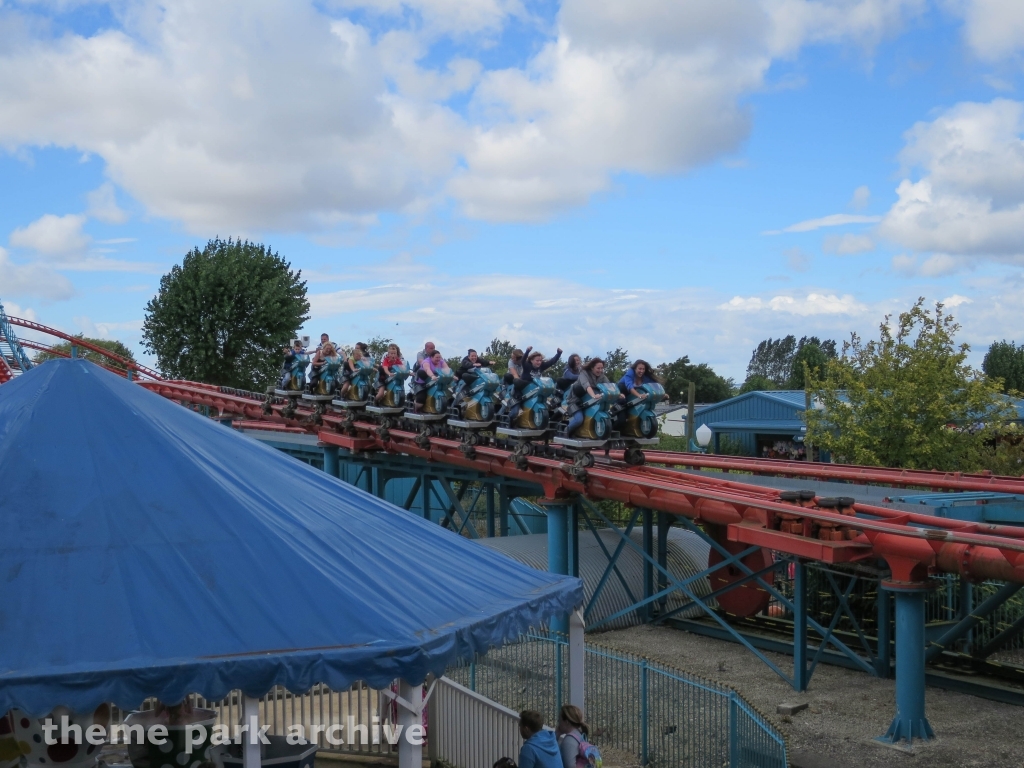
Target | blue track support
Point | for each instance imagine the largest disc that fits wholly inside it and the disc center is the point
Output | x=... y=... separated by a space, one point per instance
x=559 y=513
x=801 y=675
x=331 y=466
x=490 y=510
x=11 y=342
x=970 y=621
x=910 y=722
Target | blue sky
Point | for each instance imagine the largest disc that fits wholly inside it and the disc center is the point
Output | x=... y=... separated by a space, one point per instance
x=670 y=177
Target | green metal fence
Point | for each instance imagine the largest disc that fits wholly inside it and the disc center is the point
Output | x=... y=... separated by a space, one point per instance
x=648 y=711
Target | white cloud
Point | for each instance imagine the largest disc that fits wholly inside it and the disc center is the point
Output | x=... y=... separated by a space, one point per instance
x=458 y=312
x=994 y=29
x=107 y=330
x=811 y=304
x=969 y=200
x=103 y=205
x=861 y=198
x=956 y=300
x=832 y=220
x=241 y=115
x=936 y=265
x=459 y=17
x=55 y=237
x=34 y=280
x=847 y=244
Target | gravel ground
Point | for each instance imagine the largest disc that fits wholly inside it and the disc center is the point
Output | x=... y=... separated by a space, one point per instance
x=847 y=709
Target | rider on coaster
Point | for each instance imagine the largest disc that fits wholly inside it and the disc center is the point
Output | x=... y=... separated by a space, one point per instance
x=591 y=375
x=638 y=374
x=515 y=365
x=429 y=368
x=360 y=351
x=573 y=366
x=469 y=365
x=534 y=366
x=392 y=358
x=290 y=361
x=324 y=353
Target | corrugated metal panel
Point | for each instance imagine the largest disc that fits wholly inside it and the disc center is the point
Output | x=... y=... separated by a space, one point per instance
x=687 y=555
x=754 y=406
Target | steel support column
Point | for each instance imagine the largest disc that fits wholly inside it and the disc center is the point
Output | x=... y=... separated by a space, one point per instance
x=490 y=510
x=559 y=513
x=910 y=722
x=331 y=460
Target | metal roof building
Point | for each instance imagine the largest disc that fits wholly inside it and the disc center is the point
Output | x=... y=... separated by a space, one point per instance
x=756 y=419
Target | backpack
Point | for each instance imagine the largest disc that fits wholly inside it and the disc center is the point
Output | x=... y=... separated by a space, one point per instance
x=589 y=756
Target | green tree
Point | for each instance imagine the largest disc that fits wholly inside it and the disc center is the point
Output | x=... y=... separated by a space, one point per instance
x=709 y=386
x=378 y=346
x=499 y=350
x=616 y=362
x=776 y=359
x=908 y=399
x=1005 y=360
x=809 y=357
x=773 y=359
x=757 y=383
x=225 y=315
x=110 y=345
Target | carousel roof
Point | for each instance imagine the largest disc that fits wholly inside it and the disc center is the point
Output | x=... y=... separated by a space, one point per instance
x=149 y=551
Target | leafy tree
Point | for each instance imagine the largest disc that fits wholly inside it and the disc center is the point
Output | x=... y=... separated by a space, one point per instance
x=709 y=386
x=378 y=346
x=499 y=350
x=809 y=357
x=908 y=399
x=1005 y=360
x=616 y=362
x=772 y=359
x=111 y=345
x=776 y=359
x=757 y=383
x=225 y=314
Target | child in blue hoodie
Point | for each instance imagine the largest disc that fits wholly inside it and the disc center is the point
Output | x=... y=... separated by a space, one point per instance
x=540 y=747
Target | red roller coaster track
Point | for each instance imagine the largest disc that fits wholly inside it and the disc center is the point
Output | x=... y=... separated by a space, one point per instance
x=912 y=544
x=124 y=364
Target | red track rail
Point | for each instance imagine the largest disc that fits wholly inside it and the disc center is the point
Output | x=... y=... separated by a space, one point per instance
x=901 y=478
x=129 y=364
x=745 y=513
x=58 y=353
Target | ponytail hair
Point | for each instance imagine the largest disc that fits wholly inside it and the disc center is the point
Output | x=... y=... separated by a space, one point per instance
x=573 y=715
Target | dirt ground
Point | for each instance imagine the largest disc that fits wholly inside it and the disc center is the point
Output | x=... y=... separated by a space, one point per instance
x=847 y=709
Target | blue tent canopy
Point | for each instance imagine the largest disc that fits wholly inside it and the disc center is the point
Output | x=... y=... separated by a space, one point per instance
x=149 y=551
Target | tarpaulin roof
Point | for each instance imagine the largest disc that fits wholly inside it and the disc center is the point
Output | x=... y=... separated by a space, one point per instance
x=149 y=551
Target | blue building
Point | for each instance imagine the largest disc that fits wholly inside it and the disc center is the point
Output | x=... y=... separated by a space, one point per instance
x=759 y=423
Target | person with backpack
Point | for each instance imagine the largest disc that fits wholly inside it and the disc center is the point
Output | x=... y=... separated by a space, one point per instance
x=573 y=733
x=540 y=748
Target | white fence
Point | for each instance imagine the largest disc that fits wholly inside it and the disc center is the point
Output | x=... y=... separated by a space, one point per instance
x=360 y=710
x=468 y=730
